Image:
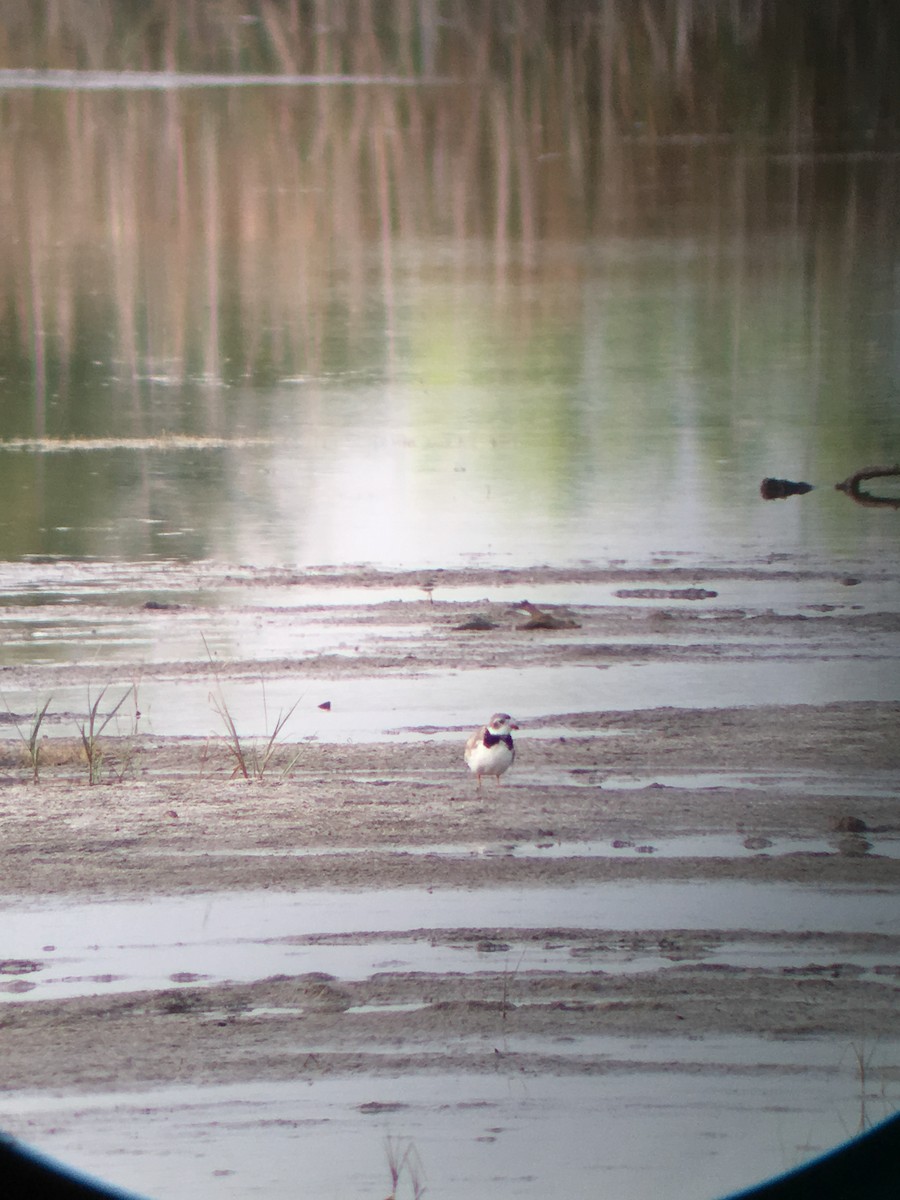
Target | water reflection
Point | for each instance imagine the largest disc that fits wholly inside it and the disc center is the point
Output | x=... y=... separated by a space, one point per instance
x=511 y=311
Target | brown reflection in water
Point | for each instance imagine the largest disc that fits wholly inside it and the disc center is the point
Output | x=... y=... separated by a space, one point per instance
x=240 y=234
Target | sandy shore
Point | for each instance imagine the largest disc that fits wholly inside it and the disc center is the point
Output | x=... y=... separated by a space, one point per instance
x=784 y=800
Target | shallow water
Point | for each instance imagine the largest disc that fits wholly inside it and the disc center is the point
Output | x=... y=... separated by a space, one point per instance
x=46 y=613
x=588 y=1136
x=122 y=946
x=282 y=363
x=384 y=708
x=698 y=845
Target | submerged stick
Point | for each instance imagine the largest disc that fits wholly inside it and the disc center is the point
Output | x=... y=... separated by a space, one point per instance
x=851 y=487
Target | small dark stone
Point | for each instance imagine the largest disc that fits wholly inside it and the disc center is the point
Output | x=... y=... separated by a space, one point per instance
x=849 y=824
x=853 y=846
x=757 y=843
x=480 y=624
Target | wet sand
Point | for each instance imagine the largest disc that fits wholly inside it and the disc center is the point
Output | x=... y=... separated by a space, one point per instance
x=650 y=889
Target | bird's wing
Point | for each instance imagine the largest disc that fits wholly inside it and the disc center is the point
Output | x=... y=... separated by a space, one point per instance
x=474 y=739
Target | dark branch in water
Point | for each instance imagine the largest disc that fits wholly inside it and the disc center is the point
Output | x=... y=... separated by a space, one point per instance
x=851 y=486
x=780 y=489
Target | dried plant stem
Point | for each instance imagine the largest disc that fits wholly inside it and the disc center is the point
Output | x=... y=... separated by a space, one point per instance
x=252 y=760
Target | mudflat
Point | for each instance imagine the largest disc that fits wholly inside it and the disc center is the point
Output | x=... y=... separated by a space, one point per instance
x=672 y=873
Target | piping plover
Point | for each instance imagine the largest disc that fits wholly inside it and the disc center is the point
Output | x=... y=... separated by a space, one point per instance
x=490 y=749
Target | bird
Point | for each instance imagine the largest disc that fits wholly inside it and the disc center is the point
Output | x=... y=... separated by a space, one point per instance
x=490 y=749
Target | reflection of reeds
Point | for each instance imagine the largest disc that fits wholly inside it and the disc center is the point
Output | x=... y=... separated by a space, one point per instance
x=404 y=1162
x=225 y=237
x=666 y=60
x=864 y=1061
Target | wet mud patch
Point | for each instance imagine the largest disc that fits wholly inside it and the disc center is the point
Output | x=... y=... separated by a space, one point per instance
x=675 y=918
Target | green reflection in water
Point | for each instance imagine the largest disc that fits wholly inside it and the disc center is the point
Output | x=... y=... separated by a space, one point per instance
x=508 y=299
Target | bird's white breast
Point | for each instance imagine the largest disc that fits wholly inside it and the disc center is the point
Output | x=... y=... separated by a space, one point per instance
x=489 y=760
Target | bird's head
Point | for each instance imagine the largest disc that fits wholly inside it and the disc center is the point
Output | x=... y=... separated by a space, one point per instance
x=501 y=724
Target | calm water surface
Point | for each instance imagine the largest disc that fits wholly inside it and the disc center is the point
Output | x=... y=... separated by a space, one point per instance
x=293 y=349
